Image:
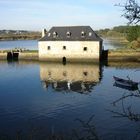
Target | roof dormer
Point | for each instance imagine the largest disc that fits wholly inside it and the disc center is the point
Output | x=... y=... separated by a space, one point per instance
x=68 y=34
x=83 y=34
x=90 y=33
x=55 y=34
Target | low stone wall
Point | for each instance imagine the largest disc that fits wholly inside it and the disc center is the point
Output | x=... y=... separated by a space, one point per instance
x=28 y=56
x=21 y=56
x=3 y=56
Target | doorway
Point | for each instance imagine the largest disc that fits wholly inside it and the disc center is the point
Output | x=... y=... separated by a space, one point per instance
x=64 y=60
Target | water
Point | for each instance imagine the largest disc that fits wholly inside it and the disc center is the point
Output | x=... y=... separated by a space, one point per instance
x=27 y=44
x=33 y=44
x=111 y=44
x=46 y=100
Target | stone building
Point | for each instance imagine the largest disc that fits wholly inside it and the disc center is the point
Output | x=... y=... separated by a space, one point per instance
x=70 y=43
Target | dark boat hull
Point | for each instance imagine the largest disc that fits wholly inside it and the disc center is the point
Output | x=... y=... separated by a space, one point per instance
x=125 y=83
x=125 y=87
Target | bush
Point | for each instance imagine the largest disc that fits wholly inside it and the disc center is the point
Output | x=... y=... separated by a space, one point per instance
x=133 y=33
x=113 y=33
x=138 y=39
x=134 y=44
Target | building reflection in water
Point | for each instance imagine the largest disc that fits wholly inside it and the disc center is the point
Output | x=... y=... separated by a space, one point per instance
x=80 y=78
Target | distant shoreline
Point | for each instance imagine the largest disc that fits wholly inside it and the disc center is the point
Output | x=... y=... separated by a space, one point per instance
x=12 y=38
x=122 y=40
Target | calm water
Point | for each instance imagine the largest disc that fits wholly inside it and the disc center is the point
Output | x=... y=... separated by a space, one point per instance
x=41 y=100
x=33 y=44
x=110 y=44
x=28 y=44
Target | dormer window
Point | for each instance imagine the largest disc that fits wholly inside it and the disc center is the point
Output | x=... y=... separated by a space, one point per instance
x=68 y=34
x=90 y=33
x=49 y=34
x=55 y=34
x=83 y=34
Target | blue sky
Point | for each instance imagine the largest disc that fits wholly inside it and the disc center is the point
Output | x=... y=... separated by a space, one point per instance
x=38 y=14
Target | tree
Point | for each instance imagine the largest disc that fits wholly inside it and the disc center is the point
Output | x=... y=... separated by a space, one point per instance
x=131 y=11
x=134 y=33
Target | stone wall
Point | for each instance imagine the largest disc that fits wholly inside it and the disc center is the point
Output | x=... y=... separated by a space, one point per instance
x=3 y=56
x=28 y=56
x=74 y=50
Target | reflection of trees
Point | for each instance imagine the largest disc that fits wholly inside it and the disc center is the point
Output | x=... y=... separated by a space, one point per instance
x=126 y=111
x=88 y=130
x=127 y=95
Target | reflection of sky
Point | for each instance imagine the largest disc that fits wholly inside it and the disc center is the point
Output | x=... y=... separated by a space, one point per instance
x=22 y=99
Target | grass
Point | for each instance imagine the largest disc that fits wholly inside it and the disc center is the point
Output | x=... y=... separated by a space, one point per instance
x=26 y=51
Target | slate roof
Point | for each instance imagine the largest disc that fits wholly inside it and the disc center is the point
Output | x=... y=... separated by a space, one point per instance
x=71 y=33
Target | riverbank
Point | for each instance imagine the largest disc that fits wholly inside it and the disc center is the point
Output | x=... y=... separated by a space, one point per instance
x=33 y=55
x=128 y=55
x=6 y=35
x=113 y=55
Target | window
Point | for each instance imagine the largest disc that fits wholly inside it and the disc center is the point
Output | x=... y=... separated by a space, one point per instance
x=64 y=47
x=85 y=73
x=49 y=73
x=64 y=73
x=49 y=47
x=55 y=34
x=68 y=34
x=85 y=48
x=83 y=34
x=49 y=34
x=90 y=33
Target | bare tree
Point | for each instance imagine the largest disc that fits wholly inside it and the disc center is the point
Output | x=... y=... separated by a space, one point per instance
x=131 y=11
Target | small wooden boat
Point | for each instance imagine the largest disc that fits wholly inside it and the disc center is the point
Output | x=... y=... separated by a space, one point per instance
x=127 y=83
x=125 y=87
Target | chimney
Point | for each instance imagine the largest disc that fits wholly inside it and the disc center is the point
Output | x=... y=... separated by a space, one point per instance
x=44 y=32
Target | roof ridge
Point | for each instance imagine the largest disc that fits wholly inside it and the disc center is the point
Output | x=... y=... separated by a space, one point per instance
x=70 y=26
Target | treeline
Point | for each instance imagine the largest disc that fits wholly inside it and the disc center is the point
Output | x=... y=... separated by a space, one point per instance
x=19 y=35
x=119 y=31
x=128 y=33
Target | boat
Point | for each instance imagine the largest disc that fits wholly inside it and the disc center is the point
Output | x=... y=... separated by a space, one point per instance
x=125 y=87
x=126 y=83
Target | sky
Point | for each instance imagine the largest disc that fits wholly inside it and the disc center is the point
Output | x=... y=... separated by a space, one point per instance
x=39 y=14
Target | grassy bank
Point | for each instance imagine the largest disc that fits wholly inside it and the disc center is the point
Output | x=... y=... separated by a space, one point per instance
x=129 y=55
